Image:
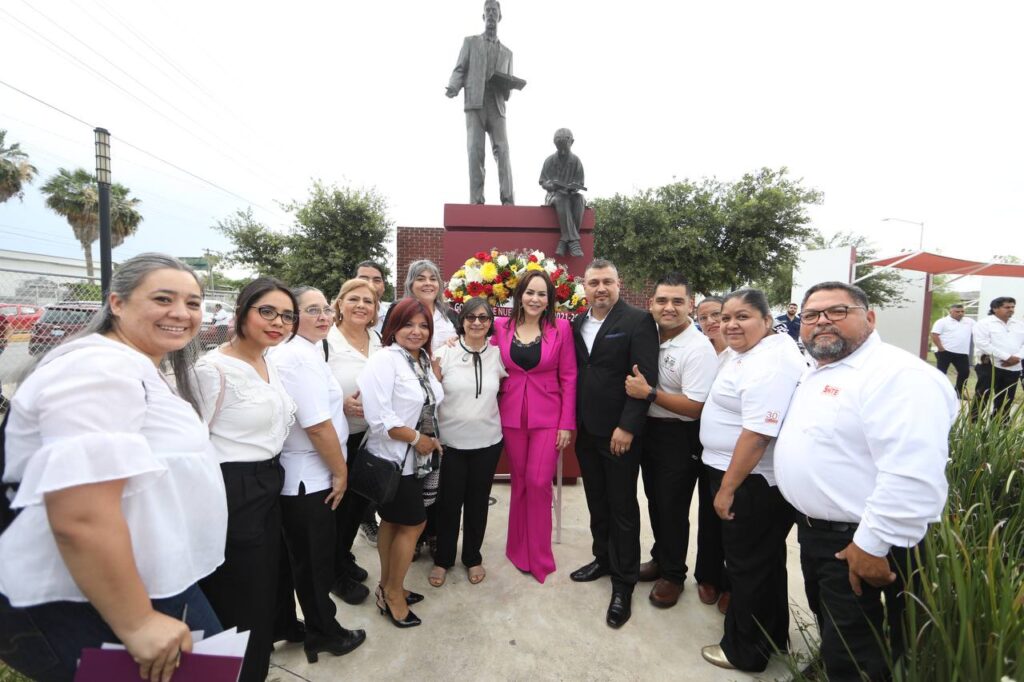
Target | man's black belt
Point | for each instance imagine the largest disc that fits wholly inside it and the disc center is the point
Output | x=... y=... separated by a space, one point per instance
x=820 y=524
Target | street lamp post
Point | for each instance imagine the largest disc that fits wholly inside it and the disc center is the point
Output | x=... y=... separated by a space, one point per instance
x=103 y=179
x=920 y=243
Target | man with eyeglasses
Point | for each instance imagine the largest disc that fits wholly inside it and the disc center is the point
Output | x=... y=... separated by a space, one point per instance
x=861 y=456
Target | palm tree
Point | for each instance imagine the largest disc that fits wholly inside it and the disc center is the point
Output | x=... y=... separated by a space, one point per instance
x=75 y=196
x=15 y=170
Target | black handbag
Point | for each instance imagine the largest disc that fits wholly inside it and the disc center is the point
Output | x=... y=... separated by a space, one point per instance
x=373 y=477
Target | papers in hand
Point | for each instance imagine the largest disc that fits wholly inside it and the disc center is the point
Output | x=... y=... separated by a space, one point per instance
x=216 y=659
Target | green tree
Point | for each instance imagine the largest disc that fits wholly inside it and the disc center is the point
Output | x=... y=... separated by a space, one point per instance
x=942 y=298
x=256 y=245
x=720 y=235
x=15 y=170
x=74 y=195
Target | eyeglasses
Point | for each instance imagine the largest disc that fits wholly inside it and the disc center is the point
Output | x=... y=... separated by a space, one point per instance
x=709 y=316
x=478 y=318
x=270 y=313
x=315 y=311
x=836 y=313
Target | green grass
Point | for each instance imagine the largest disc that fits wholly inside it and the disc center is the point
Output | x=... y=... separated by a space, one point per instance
x=8 y=675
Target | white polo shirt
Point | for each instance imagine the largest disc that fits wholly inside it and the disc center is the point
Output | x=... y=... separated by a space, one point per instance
x=590 y=328
x=1000 y=339
x=686 y=366
x=752 y=392
x=955 y=335
x=866 y=441
x=318 y=397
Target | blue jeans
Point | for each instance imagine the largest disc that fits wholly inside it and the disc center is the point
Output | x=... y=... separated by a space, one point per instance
x=44 y=642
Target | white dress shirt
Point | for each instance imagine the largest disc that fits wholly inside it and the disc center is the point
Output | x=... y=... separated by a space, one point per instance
x=318 y=397
x=95 y=410
x=468 y=421
x=589 y=329
x=866 y=441
x=255 y=415
x=381 y=314
x=955 y=335
x=393 y=397
x=347 y=364
x=751 y=391
x=443 y=330
x=686 y=366
x=1000 y=339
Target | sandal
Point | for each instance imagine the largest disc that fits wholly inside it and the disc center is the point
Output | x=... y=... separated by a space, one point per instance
x=437 y=576
x=476 y=574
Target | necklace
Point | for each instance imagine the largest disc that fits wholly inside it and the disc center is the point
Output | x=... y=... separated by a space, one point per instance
x=361 y=348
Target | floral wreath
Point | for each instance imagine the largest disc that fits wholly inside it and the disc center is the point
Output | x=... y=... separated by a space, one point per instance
x=494 y=275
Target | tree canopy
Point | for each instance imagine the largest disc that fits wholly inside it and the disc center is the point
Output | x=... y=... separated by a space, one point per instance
x=15 y=170
x=720 y=235
x=335 y=229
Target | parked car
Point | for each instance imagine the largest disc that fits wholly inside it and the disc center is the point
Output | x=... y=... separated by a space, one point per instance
x=20 y=316
x=3 y=334
x=59 y=321
x=208 y=307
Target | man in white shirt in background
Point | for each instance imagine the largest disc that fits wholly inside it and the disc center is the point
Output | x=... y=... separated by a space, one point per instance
x=670 y=459
x=374 y=274
x=952 y=338
x=221 y=318
x=999 y=341
x=861 y=456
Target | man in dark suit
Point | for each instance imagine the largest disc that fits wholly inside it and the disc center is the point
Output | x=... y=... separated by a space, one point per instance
x=480 y=58
x=610 y=339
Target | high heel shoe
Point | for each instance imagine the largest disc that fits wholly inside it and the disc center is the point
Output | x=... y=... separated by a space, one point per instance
x=338 y=645
x=410 y=599
x=411 y=620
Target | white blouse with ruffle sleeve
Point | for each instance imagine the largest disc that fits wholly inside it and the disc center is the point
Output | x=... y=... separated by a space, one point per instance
x=96 y=410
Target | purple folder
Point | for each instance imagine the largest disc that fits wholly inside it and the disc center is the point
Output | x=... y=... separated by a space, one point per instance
x=116 y=665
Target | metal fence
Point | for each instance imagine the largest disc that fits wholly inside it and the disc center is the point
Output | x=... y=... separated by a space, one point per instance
x=39 y=310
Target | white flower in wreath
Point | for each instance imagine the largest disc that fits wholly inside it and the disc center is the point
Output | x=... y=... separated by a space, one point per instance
x=455 y=283
x=579 y=291
x=539 y=254
x=550 y=266
x=502 y=261
x=473 y=275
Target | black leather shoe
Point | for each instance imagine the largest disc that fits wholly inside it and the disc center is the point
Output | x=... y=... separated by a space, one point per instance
x=619 y=609
x=591 y=571
x=356 y=572
x=349 y=591
x=338 y=645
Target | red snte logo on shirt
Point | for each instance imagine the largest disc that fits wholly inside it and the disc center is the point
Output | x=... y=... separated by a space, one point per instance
x=771 y=418
x=830 y=390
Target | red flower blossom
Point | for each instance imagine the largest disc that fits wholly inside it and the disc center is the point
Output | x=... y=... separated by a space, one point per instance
x=533 y=259
x=563 y=292
x=498 y=278
x=480 y=255
x=448 y=294
x=474 y=288
x=556 y=274
x=488 y=289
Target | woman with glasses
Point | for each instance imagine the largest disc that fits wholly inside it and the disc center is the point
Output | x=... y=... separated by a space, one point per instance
x=248 y=413
x=709 y=317
x=400 y=399
x=315 y=474
x=741 y=419
x=538 y=415
x=350 y=343
x=470 y=372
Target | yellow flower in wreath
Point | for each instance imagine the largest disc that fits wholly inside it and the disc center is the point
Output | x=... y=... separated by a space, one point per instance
x=534 y=266
x=500 y=291
x=488 y=272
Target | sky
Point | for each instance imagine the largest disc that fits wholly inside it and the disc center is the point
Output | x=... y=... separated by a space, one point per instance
x=908 y=110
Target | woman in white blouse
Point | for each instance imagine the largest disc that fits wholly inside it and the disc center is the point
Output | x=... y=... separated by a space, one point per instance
x=470 y=372
x=741 y=419
x=121 y=500
x=350 y=343
x=400 y=395
x=245 y=406
x=315 y=474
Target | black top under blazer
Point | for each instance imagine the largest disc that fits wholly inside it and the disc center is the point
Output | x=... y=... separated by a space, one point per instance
x=628 y=337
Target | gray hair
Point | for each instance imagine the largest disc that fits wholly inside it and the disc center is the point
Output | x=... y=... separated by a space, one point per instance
x=416 y=268
x=600 y=264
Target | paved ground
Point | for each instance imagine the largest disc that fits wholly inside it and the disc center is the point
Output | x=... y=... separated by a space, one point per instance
x=510 y=627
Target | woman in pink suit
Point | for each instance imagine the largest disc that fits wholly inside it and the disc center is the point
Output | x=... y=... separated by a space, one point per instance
x=538 y=415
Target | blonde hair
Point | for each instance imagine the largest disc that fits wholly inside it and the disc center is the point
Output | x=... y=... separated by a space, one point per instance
x=350 y=286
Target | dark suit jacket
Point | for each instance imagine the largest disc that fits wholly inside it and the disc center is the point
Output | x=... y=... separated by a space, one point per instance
x=628 y=337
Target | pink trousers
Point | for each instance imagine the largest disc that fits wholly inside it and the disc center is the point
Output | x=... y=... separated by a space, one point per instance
x=532 y=458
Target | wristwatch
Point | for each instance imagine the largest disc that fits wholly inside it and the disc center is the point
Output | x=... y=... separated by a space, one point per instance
x=652 y=395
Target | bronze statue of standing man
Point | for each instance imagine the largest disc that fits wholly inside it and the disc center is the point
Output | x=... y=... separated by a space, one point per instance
x=562 y=177
x=484 y=70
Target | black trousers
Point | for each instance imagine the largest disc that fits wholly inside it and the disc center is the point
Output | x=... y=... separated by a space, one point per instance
x=369 y=510
x=945 y=358
x=848 y=623
x=757 y=622
x=670 y=467
x=242 y=588
x=998 y=384
x=710 y=564
x=609 y=482
x=347 y=517
x=309 y=533
x=466 y=477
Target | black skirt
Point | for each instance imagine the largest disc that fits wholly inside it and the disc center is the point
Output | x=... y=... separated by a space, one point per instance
x=406 y=508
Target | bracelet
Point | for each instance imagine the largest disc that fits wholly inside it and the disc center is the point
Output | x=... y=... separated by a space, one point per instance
x=416 y=439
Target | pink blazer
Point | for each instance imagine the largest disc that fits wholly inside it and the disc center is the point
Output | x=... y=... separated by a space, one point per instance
x=548 y=390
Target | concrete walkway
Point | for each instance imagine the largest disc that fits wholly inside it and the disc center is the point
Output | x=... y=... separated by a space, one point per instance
x=510 y=627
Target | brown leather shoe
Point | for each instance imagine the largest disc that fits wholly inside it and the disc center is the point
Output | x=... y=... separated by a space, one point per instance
x=649 y=571
x=708 y=593
x=665 y=593
x=723 y=602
